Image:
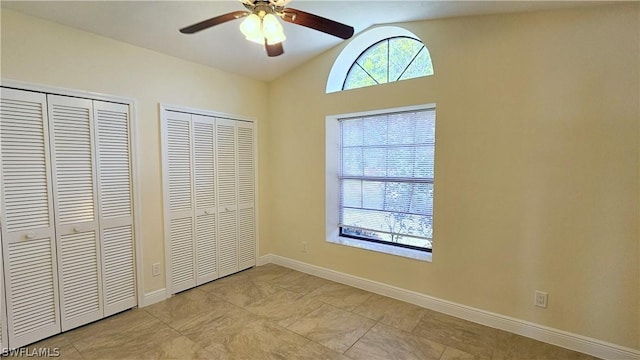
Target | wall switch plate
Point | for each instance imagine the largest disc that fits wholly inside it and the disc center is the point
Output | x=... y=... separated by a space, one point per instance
x=541 y=299
x=155 y=269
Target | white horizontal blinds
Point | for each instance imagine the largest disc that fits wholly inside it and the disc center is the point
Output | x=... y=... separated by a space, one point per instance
x=205 y=198
x=177 y=137
x=246 y=194
x=77 y=233
x=30 y=264
x=113 y=158
x=387 y=170
x=227 y=196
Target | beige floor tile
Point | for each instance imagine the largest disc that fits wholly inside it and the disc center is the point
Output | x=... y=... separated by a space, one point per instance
x=257 y=340
x=399 y=314
x=300 y=282
x=57 y=347
x=244 y=292
x=179 y=348
x=212 y=286
x=123 y=324
x=145 y=343
x=455 y=354
x=284 y=307
x=334 y=328
x=339 y=295
x=184 y=307
x=267 y=272
x=226 y=319
x=315 y=351
x=464 y=335
x=515 y=347
x=386 y=342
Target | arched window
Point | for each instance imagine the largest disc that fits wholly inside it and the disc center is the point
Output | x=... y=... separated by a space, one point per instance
x=389 y=60
x=380 y=55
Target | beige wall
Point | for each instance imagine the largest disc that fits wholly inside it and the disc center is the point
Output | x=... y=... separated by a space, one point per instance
x=537 y=167
x=42 y=52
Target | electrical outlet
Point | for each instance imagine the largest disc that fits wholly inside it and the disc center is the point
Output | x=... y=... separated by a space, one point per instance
x=541 y=299
x=304 y=246
x=155 y=269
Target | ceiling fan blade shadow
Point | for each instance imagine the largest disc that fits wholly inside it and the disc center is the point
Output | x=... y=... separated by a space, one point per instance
x=274 y=50
x=316 y=22
x=213 y=22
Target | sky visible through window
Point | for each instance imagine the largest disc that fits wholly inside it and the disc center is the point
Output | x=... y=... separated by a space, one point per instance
x=389 y=60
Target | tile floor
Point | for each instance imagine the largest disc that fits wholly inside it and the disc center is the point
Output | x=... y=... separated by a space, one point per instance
x=272 y=312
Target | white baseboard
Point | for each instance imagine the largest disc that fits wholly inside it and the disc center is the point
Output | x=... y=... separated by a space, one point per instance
x=543 y=333
x=154 y=297
x=264 y=259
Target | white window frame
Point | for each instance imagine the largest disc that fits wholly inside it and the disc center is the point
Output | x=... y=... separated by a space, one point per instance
x=332 y=187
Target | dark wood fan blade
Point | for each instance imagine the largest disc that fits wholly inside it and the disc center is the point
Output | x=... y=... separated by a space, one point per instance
x=319 y=23
x=213 y=22
x=274 y=50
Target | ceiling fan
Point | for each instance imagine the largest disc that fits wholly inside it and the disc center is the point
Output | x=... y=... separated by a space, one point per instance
x=262 y=26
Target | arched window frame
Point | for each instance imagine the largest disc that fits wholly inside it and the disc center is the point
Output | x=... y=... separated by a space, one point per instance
x=356 y=47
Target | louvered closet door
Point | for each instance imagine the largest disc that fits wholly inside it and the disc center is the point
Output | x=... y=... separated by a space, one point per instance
x=205 y=198
x=115 y=206
x=179 y=183
x=227 y=197
x=28 y=239
x=74 y=188
x=246 y=191
x=3 y=311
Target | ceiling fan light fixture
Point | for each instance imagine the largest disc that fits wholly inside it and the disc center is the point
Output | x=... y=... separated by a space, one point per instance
x=272 y=29
x=251 y=28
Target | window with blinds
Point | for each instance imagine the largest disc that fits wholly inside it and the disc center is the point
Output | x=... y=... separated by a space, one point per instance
x=386 y=178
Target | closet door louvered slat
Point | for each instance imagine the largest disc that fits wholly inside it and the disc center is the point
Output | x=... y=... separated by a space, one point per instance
x=205 y=199
x=246 y=191
x=77 y=233
x=227 y=197
x=179 y=217
x=115 y=206
x=28 y=242
x=4 y=344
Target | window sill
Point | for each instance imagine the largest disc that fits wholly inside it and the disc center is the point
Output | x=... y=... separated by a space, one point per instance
x=383 y=248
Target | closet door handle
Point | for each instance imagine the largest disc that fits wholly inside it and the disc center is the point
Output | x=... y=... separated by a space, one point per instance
x=30 y=235
x=76 y=229
x=226 y=209
x=207 y=212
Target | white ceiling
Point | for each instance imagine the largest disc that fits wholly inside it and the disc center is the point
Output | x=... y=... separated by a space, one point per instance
x=154 y=25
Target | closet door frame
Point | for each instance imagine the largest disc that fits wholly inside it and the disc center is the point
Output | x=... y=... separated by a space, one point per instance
x=133 y=145
x=164 y=108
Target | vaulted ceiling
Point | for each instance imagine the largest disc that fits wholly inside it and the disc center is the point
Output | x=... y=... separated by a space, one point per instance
x=154 y=25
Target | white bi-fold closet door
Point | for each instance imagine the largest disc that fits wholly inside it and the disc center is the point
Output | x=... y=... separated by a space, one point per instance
x=67 y=219
x=209 y=191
